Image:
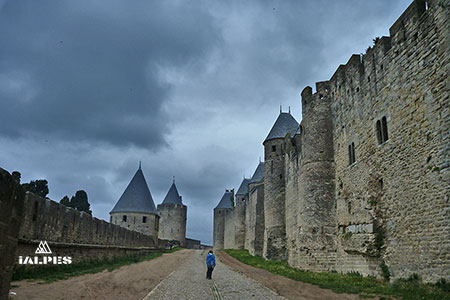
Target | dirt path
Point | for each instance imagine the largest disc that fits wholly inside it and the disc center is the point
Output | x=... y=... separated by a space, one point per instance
x=189 y=282
x=176 y=276
x=288 y=288
x=129 y=282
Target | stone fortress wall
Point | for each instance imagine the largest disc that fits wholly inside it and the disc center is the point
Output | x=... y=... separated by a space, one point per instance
x=254 y=219
x=229 y=232
x=11 y=214
x=364 y=184
x=77 y=234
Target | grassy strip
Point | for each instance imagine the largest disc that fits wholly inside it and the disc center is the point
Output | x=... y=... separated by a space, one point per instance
x=58 y=272
x=367 y=287
x=173 y=250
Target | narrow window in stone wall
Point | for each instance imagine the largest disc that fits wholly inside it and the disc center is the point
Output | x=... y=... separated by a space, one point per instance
x=124 y=218
x=351 y=154
x=384 y=129
x=144 y=219
x=274 y=148
x=378 y=129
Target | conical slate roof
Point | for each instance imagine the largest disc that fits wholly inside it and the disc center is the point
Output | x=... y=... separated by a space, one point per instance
x=173 y=196
x=284 y=124
x=225 y=202
x=136 y=197
x=259 y=173
x=243 y=188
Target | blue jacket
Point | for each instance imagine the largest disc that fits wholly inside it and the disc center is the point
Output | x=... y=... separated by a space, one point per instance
x=210 y=260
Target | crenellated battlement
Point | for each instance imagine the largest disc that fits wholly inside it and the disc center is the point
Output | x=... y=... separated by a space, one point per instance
x=399 y=30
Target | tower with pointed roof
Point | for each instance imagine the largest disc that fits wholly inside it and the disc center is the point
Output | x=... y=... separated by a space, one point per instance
x=274 y=186
x=135 y=209
x=254 y=213
x=172 y=225
x=241 y=199
x=221 y=212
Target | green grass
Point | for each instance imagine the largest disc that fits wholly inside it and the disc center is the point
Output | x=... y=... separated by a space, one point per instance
x=173 y=250
x=58 y=272
x=367 y=287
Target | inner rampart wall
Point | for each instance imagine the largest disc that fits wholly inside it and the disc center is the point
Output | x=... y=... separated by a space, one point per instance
x=73 y=233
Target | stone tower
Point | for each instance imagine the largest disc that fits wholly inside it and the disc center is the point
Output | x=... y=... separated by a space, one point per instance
x=172 y=225
x=316 y=217
x=254 y=213
x=274 y=187
x=135 y=209
x=224 y=207
x=239 y=211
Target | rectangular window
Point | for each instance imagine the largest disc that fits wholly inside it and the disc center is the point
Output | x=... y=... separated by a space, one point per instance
x=274 y=148
x=351 y=154
x=144 y=219
x=378 y=129
x=382 y=131
x=124 y=218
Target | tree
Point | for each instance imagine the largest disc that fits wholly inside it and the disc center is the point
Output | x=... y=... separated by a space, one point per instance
x=78 y=202
x=65 y=201
x=16 y=176
x=37 y=187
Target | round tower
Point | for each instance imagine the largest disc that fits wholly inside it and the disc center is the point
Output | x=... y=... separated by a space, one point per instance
x=274 y=187
x=135 y=209
x=220 y=212
x=172 y=225
x=241 y=204
x=316 y=176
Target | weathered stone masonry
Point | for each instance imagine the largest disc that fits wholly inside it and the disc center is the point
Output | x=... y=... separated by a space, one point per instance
x=366 y=173
x=73 y=233
x=173 y=213
x=11 y=212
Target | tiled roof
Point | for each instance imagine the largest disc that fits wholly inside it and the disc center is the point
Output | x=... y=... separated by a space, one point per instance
x=136 y=197
x=284 y=124
x=226 y=202
x=259 y=173
x=173 y=196
x=243 y=188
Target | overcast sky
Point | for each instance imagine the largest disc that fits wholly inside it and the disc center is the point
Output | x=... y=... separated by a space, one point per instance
x=88 y=88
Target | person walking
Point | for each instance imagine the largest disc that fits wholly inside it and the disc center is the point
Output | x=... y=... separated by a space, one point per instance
x=210 y=264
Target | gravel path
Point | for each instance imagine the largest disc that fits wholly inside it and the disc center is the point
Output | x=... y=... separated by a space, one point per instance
x=188 y=282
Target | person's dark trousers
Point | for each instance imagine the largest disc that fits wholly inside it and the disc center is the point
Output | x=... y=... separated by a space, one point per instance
x=209 y=272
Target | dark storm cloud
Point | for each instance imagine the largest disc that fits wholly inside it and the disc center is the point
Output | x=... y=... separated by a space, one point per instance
x=89 y=88
x=80 y=70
